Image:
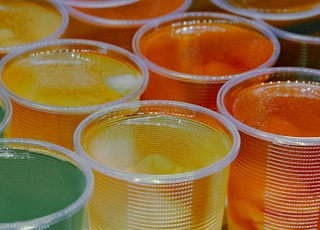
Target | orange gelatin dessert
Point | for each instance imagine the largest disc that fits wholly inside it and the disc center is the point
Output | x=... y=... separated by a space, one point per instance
x=275 y=185
x=189 y=58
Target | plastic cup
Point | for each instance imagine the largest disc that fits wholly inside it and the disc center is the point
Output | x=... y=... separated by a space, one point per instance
x=157 y=165
x=117 y=25
x=271 y=9
x=299 y=40
x=191 y=55
x=26 y=22
x=56 y=84
x=43 y=186
x=274 y=182
x=5 y=112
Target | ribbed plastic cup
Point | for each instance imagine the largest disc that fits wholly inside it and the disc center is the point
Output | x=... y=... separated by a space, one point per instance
x=274 y=182
x=299 y=40
x=5 y=112
x=118 y=24
x=26 y=22
x=157 y=165
x=43 y=186
x=271 y=9
x=54 y=85
x=191 y=55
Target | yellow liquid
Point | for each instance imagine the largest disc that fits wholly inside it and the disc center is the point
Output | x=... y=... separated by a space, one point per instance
x=66 y=80
x=163 y=146
x=26 y=21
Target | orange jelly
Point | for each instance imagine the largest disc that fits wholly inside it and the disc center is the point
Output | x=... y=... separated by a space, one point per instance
x=283 y=108
x=197 y=56
x=207 y=49
x=274 y=184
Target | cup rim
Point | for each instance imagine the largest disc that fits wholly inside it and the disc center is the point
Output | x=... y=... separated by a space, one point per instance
x=290 y=35
x=95 y=3
x=76 y=109
x=4 y=123
x=106 y=22
x=223 y=4
x=62 y=10
x=155 y=178
x=202 y=78
x=256 y=133
x=70 y=209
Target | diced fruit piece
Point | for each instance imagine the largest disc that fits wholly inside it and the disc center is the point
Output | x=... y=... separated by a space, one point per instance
x=123 y=84
x=156 y=164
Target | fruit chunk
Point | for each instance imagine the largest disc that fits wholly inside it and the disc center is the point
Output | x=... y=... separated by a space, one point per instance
x=156 y=164
x=123 y=84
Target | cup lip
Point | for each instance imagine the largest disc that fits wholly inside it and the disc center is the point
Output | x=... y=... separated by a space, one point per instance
x=105 y=22
x=256 y=133
x=67 y=211
x=62 y=10
x=202 y=78
x=155 y=178
x=75 y=109
x=95 y=3
x=281 y=33
x=223 y=4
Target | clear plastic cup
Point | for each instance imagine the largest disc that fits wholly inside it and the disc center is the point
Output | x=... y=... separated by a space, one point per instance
x=54 y=85
x=271 y=9
x=299 y=40
x=5 y=112
x=157 y=165
x=43 y=186
x=117 y=25
x=26 y=22
x=274 y=181
x=191 y=55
